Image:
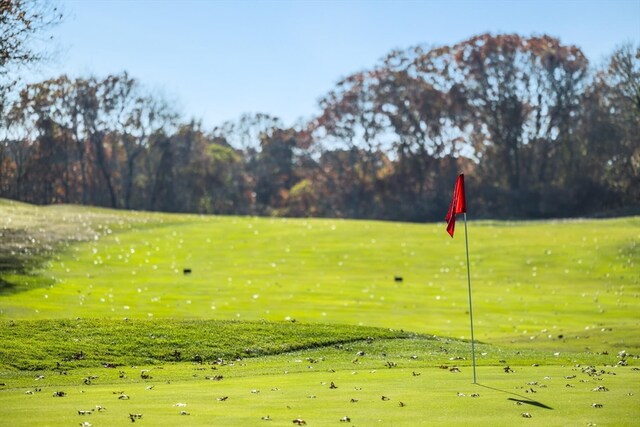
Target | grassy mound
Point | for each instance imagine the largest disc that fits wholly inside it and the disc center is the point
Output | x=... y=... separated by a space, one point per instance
x=64 y=345
x=70 y=344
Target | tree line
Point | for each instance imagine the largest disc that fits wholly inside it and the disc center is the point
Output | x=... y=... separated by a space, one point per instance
x=538 y=130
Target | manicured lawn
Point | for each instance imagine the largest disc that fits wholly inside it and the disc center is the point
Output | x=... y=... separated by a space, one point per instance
x=532 y=282
x=298 y=385
x=304 y=296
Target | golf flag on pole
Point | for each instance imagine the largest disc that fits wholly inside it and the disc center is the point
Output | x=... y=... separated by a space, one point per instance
x=458 y=204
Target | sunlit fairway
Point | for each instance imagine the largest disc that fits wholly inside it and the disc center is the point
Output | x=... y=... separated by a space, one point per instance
x=532 y=281
x=548 y=296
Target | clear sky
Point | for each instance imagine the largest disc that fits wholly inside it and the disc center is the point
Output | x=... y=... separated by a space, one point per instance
x=218 y=59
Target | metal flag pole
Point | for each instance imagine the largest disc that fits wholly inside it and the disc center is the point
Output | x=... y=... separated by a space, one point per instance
x=473 y=347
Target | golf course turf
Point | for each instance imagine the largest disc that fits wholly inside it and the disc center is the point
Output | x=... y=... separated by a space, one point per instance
x=264 y=321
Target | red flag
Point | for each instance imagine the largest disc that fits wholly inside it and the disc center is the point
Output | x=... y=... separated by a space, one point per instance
x=458 y=204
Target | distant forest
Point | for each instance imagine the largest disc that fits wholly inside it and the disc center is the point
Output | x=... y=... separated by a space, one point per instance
x=537 y=129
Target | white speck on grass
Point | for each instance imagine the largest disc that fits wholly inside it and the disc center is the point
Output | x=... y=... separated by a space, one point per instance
x=126 y=307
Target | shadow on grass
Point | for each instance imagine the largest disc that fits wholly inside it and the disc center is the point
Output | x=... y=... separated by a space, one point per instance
x=19 y=256
x=24 y=282
x=523 y=399
x=7 y=288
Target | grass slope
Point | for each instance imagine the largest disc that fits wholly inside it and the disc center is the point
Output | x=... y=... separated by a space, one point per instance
x=69 y=344
x=109 y=311
x=548 y=284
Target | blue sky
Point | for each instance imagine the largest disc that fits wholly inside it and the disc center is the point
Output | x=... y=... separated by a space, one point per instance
x=218 y=59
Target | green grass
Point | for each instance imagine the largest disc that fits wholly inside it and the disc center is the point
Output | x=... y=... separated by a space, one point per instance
x=64 y=345
x=83 y=288
x=298 y=384
x=532 y=281
x=69 y=344
x=363 y=363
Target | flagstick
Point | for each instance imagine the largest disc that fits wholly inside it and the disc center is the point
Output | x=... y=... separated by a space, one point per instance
x=473 y=348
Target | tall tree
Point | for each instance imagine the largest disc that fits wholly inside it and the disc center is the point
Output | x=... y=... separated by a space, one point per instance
x=21 y=21
x=610 y=130
x=352 y=127
x=274 y=167
x=523 y=94
x=135 y=116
